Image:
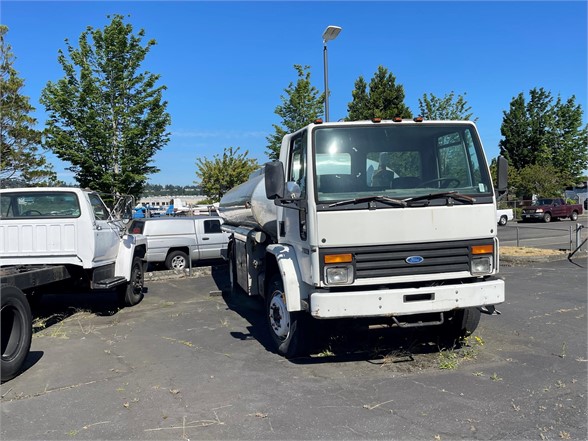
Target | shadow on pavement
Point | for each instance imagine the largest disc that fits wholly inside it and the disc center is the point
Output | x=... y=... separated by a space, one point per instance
x=333 y=340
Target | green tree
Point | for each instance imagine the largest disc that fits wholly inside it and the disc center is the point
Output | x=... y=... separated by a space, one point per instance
x=538 y=179
x=543 y=132
x=301 y=105
x=448 y=107
x=384 y=99
x=21 y=159
x=219 y=175
x=106 y=116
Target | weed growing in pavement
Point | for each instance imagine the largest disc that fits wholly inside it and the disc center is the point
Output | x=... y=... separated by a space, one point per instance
x=467 y=349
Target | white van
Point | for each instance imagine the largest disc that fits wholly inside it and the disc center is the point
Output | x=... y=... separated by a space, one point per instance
x=171 y=240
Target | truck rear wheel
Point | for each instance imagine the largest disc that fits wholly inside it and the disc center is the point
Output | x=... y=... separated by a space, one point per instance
x=503 y=220
x=574 y=216
x=176 y=260
x=287 y=330
x=131 y=293
x=17 y=330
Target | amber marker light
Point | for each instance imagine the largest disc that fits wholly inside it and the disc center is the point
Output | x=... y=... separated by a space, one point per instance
x=483 y=249
x=338 y=258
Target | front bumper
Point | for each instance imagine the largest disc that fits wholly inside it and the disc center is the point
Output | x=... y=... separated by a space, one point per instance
x=406 y=301
x=535 y=216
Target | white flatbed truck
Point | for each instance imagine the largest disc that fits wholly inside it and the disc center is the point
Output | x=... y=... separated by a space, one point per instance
x=394 y=221
x=61 y=235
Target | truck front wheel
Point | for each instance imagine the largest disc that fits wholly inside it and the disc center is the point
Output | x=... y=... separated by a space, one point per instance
x=460 y=324
x=286 y=329
x=547 y=218
x=131 y=293
x=17 y=330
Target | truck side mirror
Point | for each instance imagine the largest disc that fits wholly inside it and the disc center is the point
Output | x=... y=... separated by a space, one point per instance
x=502 y=168
x=274 y=180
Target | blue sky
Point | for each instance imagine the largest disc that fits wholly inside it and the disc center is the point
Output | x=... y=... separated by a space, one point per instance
x=226 y=64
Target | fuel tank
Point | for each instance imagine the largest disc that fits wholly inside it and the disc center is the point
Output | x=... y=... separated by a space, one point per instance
x=247 y=205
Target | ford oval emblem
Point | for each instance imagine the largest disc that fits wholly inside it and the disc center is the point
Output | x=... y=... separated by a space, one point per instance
x=414 y=259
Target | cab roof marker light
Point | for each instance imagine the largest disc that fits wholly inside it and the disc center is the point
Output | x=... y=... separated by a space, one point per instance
x=318 y=121
x=418 y=119
x=376 y=120
x=397 y=119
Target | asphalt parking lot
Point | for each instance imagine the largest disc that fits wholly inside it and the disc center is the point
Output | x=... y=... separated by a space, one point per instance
x=190 y=363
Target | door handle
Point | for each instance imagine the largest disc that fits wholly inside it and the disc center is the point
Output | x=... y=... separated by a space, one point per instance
x=205 y=238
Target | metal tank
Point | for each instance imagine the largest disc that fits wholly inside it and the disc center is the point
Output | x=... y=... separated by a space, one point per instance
x=247 y=206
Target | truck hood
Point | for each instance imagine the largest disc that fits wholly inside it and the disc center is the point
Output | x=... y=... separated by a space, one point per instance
x=405 y=225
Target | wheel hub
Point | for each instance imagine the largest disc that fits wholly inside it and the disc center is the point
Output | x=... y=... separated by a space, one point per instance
x=279 y=316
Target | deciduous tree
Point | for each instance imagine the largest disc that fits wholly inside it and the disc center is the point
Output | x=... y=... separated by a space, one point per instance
x=301 y=105
x=448 y=107
x=107 y=117
x=383 y=99
x=223 y=172
x=21 y=156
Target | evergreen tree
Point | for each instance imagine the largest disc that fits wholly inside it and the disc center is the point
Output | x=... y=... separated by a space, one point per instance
x=446 y=108
x=21 y=160
x=301 y=105
x=219 y=175
x=106 y=116
x=385 y=99
x=545 y=133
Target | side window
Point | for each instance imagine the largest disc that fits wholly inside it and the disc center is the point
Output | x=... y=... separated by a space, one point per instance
x=453 y=159
x=297 y=169
x=212 y=226
x=100 y=210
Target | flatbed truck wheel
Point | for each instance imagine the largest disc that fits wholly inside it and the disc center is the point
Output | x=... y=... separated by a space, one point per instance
x=287 y=329
x=131 y=293
x=17 y=330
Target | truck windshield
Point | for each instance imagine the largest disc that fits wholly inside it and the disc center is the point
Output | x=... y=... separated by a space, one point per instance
x=398 y=161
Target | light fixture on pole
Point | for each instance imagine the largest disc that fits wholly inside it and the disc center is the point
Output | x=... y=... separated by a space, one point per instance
x=330 y=34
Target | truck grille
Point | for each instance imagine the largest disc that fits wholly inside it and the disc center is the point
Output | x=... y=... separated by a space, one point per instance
x=391 y=260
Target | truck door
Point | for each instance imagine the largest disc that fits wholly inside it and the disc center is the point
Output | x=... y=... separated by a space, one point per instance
x=106 y=234
x=293 y=227
x=211 y=239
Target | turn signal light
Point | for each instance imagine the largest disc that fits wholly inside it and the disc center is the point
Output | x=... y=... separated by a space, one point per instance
x=483 y=249
x=338 y=258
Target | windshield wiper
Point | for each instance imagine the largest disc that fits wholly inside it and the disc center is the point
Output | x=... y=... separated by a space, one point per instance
x=384 y=199
x=450 y=195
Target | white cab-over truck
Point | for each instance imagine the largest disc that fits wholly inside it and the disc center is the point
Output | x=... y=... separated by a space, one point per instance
x=389 y=221
x=59 y=235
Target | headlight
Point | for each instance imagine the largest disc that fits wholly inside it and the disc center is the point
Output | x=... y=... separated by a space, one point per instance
x=481 y=265
x=339 y=275
x=539 y=210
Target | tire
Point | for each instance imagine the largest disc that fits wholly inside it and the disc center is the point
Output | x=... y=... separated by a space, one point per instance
x=547 y=218
x=503 y=221
x=131 y=293
x=176 y=260
x=574 y=216
x=287 y=330
x=462 y=323
x=234 y=285
x=17 y=330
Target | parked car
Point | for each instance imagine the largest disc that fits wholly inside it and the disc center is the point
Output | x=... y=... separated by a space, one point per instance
x=503 y=216
x=548 y=209
x=170 y=240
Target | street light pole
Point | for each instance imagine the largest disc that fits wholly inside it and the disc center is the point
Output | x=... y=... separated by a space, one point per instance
x=330 y=34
